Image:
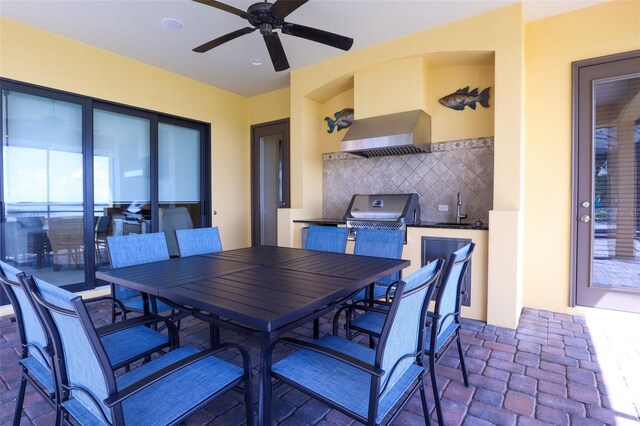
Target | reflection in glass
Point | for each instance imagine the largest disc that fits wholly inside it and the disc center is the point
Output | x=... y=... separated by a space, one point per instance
x=616 y=254
x=178 y=180
x=43 y=187
x=122 y=182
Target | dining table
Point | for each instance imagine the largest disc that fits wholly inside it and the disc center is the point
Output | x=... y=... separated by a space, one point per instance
x=263 y=291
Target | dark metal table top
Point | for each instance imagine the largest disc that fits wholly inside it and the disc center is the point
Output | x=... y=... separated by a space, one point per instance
x=262 y=287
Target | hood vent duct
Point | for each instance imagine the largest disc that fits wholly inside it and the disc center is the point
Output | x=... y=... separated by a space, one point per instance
x=393 y=134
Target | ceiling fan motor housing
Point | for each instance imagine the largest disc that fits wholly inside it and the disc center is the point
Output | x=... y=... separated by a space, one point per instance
x=260 y=13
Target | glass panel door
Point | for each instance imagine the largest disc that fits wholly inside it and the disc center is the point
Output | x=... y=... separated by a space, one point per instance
x=121 y=176
x=43 y=187
x=179 y=180
x=607 y=201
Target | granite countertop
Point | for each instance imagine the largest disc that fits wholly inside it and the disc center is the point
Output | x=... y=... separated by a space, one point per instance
x=336 y=221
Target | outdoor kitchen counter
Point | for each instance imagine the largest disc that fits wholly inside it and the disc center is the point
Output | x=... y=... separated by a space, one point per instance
x=413 y=252
x=335 y=222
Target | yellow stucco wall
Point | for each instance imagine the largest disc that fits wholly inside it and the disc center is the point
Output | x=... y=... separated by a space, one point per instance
x=552 y=45
x=34 y=56
x=500 y=31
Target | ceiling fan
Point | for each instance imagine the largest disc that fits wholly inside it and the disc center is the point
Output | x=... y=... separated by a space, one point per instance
x=268 y=17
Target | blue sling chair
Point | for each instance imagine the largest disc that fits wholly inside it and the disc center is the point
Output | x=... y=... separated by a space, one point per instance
x=368 y=385
x=137 y=249
x=327 y=238
x=442 y=325
x=164 y=391
x=125 y=341
x=196 y=241
x=380 y=243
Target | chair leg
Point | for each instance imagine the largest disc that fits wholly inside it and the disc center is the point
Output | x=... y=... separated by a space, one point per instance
x=113 y=312
x=461 y=355
x=248 y=402
x=316 y=328
x=423 y=398
x=434 y=385
x=20 y=402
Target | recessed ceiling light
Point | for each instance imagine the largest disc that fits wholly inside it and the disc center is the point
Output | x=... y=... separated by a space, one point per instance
x=172 y=24
x=257 y=62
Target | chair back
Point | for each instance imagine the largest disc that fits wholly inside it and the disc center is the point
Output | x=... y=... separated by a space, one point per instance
x=402 y=337
x=172 y=219
x=82 y=364
x=135 y=249
x=447 y=307
x=198 y=241
x=33 y=338
x=381 y=243
x=327 y=238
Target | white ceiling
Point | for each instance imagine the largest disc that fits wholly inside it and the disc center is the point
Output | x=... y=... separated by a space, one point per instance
x=132 y=28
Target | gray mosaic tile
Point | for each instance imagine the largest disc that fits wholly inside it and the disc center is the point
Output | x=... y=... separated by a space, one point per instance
x=464 y=166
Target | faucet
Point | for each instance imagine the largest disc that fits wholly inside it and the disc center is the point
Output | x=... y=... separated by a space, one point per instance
x=459 y=216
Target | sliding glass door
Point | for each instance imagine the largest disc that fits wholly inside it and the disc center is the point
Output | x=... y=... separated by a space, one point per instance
x=121 y=177
x=42 y=186
x=180 y=185
x=75 y=170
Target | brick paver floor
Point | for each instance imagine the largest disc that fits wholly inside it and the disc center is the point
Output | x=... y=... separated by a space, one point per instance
x=554 y=369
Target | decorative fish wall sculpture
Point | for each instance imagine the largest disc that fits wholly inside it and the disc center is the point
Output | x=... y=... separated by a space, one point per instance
x=463 y=97
x=342 y=120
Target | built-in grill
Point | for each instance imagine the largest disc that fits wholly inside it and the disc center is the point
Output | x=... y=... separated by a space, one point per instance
x=382 y=211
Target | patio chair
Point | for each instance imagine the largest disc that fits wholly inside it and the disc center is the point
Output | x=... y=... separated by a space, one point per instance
x=327 y=238
x=366 y=384
x=442 y=325
x=198 y=241
x=126 y=341
x=380 y=243
x=137 y=249
x=163 y=391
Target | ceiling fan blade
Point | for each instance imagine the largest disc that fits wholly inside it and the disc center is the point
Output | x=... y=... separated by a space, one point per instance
x=320 y=36
x=282 y=8
x=225 y=38
x=225 y=7
x=276 y=51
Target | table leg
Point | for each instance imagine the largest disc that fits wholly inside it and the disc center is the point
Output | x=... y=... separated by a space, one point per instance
x=264 y=405
x=316 y=328
x=214 y=334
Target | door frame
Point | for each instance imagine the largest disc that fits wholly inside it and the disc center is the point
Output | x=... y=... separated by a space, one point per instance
x=582 y=119
x=88 y=105
x=257 y=132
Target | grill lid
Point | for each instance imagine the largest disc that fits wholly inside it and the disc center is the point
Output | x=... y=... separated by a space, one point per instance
x=402 y=208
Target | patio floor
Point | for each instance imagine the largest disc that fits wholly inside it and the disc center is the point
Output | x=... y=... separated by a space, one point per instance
x=554 y=369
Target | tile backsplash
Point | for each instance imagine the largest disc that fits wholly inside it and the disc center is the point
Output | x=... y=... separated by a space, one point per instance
x=464 y=166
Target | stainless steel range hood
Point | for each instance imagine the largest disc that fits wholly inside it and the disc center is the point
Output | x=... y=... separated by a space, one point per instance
x=393 y=134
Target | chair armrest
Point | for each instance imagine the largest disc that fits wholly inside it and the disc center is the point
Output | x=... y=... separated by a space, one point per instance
x=347 y=359
x=388 y=294
x=113 y=299
x=166 y=371
x=359 y=305
x=172 y=330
